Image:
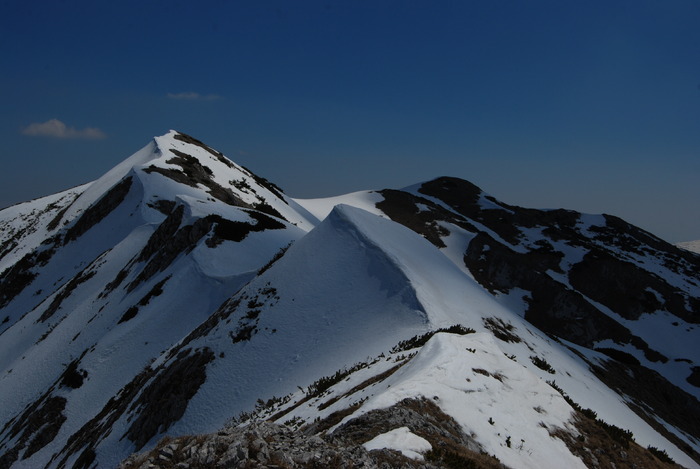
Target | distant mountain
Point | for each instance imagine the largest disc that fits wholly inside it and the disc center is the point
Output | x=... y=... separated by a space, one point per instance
x=182 y=295
x=690 y=246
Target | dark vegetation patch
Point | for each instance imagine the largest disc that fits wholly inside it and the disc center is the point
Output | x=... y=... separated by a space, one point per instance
x=324 y=383
x=421 y=340
x=164 y=400
x=502 y=330
x=247 y=325
x=190 y=165
x=463 y=197
x=278 y=255
x=242 y=185
x=267 y=208
x=366 y=383
x=552 y=306
x=624 y=287
x=317 y=389
x=542 y=364
x=481 y=371
x=661 y=455
x=597 y=447
x=649 y=390
x=192 y=173
x=623 y=437
x=99 y=210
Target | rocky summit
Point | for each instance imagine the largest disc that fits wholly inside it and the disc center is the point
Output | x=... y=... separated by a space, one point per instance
x=182 y=311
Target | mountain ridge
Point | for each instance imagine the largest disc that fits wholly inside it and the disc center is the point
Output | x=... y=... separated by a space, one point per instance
x=180 y=288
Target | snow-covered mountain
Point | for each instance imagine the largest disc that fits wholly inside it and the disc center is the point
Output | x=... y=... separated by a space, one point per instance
x=690 y=246
x=181 y=294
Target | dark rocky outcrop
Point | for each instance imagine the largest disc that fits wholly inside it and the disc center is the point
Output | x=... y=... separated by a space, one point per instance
x=83 y=276
x=627 y=289
x=164 y=400
x=19 y=276
x=405 y=208
x=192 y=173
x=552 y=306
x=171 y=240
x=193 y=141
x=36 y=427
x=266 y=444
x=155 y=398
x=99 y=210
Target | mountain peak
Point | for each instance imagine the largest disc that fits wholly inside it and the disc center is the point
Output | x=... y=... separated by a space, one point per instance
x=181 y=289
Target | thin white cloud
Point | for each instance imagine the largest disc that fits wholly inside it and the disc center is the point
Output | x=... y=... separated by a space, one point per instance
x=191 y=96
x=54 y=128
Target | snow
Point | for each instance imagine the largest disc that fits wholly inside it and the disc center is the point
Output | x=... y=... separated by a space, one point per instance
x=511 y=397
x=27 y=223
x=366 y=200
x=693 y=246
x=400 y=439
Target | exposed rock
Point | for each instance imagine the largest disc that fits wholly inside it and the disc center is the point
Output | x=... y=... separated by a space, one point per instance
x=19 y=276
x=36 y=427
x=694 y=377
x=192 y=173
x=155 y=398
x=552 y=306
x=83 y=276
x=99 y=210
x=627 y=289
x=193 y=141
x=404 y=208
x=165 y=399
x=265 y=444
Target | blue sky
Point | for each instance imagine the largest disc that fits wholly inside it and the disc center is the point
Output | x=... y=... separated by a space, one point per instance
x=593 y=106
